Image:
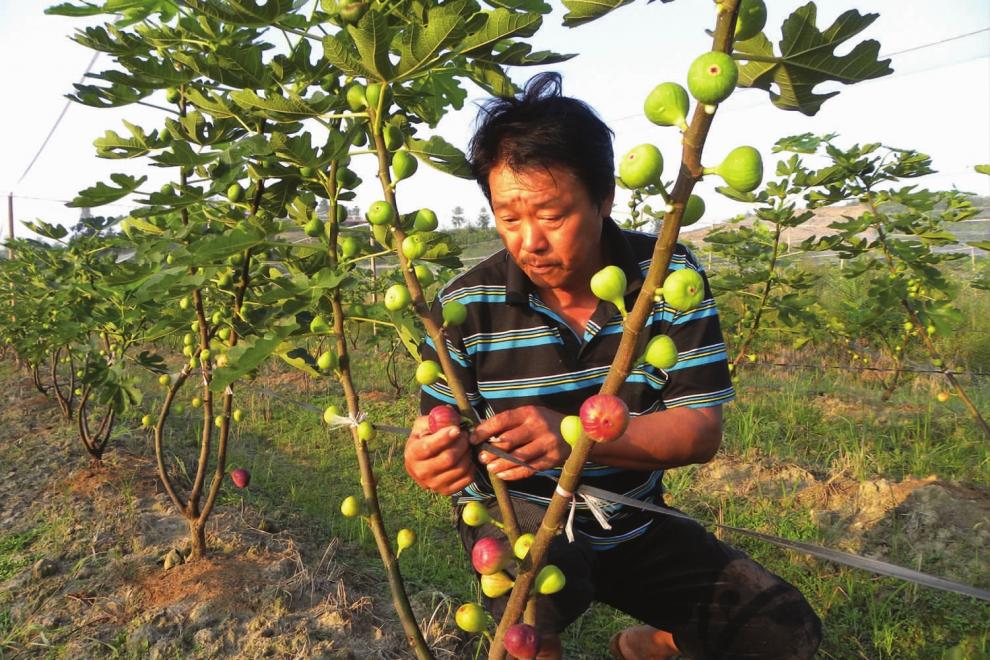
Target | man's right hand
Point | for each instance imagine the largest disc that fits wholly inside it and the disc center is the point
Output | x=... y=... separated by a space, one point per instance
x=439 y=461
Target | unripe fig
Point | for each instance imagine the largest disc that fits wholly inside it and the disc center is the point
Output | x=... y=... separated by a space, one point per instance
x=146 y=421
x=490 y=555
x=604 y=417
x=392 y=136
x=349 y=247
x=376 y=90
x=667 y=105
x=397 y=297
x=549 y=580
x=609 y=284
x=313 y=228
x=471 y=618
x=424 y=275
x=661 y=352
x=496 y=584
x=307 y=172
x=522 y=641
x=522 y=545
x=425 y=220
x=428 y=372
x=356 y=99
x=742 y=169
x=443 y=416
x=693 y=210
x=218 y=421
x=366 y=431
x=164 y=379
x=571 y=430
x=712 y=77
x=240 y=477
x=330 y=414
x=351 y=506
x=942 y=397
x=406 y=538
x=751 y=19
x=454 y=313
x=172 y=95
x=235 y=193
x=381 y=213
x=327 y=361
x=238 y=415
x=196 y=402
x=205 y=354
x=319 y=326
x=404 y=165
x=683 y=289
x=641 y=166
x=474 y=513
x=414 y=246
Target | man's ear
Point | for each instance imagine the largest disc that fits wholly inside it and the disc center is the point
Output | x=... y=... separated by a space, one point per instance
x=605 y=208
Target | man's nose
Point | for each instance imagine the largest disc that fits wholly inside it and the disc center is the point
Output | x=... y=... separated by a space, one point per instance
x=534 y=239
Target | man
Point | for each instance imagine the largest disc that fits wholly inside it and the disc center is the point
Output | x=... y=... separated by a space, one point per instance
x=536 y=343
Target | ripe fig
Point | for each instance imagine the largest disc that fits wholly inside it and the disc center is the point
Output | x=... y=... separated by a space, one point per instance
x=604 y=417
x=667 y=105
x=443 y=416
x=490 y=555
x=641 y=166
x=237 y=415
x=240 y=477
x=683 y=289
x=522 y=641
x=712 y=77
x=164 y=380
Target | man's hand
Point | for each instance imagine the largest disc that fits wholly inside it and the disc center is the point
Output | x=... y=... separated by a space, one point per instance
x=439 y=461
x=529 y=433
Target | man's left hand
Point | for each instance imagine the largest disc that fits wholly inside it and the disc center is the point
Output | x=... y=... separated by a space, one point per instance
x=529 y=433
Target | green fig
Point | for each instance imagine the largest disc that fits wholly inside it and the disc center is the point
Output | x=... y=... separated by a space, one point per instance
x=496 y=584
x=641 y=166
x=381 y=213
x=319 y=326
x=404 y=165
x=609 y=284
x=661 y=352
x=742 y=169
x=667 y=105
x=356 y=99
x=693 y=210
x=684 y=289
x=712 y=77
x=751 y=19
x=425 y=220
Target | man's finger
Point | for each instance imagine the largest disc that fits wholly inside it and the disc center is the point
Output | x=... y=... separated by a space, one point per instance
x=496 y=425
x=432 y=444
x=507 y=471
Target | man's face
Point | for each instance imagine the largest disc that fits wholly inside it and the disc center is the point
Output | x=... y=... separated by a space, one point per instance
x=549 y=225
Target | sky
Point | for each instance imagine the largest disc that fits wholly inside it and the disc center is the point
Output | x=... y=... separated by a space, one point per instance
x=937 y=100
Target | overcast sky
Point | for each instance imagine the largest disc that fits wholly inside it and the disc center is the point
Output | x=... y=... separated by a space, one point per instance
x=937 y=100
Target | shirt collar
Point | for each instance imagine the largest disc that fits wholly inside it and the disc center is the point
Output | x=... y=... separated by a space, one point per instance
x=617 y=251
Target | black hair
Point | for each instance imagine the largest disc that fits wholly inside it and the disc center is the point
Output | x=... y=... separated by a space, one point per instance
x=539 y=128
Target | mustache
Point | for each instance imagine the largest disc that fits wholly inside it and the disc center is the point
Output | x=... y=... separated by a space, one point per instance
x=540 y=262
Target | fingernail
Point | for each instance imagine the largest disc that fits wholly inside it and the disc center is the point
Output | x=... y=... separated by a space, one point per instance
x=453 y=432
x=501 y=475
x=491 y=466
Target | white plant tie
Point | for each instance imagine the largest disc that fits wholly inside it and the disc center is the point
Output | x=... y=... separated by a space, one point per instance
x=349 y=421
x=597 y=506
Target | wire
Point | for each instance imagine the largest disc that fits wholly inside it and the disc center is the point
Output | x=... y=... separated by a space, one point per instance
x=65 y=109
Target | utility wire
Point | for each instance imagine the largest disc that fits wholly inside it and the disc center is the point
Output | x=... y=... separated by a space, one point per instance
x=65 y=109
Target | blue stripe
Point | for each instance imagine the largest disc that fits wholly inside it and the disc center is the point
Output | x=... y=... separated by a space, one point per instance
x=479 y=297
x=697 y=362
x=489 y=346
x=677 y=318
x=454 y=353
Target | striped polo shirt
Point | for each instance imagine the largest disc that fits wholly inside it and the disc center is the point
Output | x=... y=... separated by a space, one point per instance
x=514 y=350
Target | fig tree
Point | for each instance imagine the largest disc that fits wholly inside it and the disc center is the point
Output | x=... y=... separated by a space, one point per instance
x=712 y=77
x=667 y=105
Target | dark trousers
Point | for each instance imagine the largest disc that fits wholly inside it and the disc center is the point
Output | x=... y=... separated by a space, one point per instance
x=713 y=599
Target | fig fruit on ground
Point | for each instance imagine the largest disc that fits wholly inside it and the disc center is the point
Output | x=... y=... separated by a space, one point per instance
x=683 y=289
x=441 y=417
x=641 y=166
x=397 y=297
x=751 y=19
x=661 y=352
x=522 y=641
x=604 y=417
x=609 y=284
x=496 y=584
x=381 y=213
x=474 y=513
x=742 y=169
x=471 y=618
x=667 y=105
x=428 y=372
x=240 y=477
x=712 y=77
x=490 y=555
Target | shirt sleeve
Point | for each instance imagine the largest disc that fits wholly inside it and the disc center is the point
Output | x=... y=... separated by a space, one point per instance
x=440 y=393
x=701 y=376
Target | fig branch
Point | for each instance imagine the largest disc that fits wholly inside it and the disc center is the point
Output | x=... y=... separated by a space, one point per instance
x=690 y=172
x=434 y=331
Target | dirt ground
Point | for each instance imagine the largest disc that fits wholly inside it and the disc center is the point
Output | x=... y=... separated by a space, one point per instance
x=91 y=581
